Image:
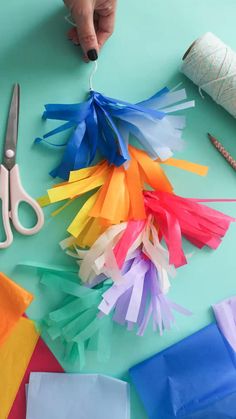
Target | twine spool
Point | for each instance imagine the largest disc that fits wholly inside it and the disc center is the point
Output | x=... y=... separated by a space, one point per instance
x=211 y=65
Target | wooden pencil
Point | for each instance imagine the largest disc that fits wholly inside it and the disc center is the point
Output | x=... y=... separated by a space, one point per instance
x=227 y=156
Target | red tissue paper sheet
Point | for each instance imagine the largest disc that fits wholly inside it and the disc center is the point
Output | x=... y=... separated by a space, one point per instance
x=42 y=360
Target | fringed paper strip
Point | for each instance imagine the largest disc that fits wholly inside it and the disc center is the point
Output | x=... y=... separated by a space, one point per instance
x=117 y=245
x=75 y=323
x=138 y=298
x=103 y=124
x=92 y=261
x=172 y=217
x=140 y=282
x=139 y=292
x=176 y=216
x=120 y=194
x=134 y=301
x=169 y=217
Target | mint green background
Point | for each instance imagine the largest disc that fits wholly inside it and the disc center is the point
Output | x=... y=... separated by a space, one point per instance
x=143 y=55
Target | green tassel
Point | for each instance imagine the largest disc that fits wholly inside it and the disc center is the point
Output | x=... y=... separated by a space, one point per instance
x=75 y=323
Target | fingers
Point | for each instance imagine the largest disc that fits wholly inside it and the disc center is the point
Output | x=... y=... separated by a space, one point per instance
x=73 y=36
x=105 y=28
x=106 y=11
x=83 y=13
x=95 y=21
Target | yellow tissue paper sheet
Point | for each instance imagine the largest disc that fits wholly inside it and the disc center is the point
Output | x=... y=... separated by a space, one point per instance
x=14 y=300
x=15 y=355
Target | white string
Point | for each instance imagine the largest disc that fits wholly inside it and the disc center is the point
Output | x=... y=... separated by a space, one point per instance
x=70 y=20
x=211 y=65
x=94 y=70
x=176 y=87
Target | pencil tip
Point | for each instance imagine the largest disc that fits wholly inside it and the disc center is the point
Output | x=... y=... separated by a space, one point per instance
x=210 y=136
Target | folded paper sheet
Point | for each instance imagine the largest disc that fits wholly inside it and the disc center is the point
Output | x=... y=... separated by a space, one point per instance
x=195 y=378
x=225 y=314
x=42 y=360
x=104 y=124
x=77 y=396
x=15 y=354
x=14 y=300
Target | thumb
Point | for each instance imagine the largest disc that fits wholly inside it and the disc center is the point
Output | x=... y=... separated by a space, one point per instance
x=86 y=31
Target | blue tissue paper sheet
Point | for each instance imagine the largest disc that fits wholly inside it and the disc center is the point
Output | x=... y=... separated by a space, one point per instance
x=193 y=379
x=77 y=396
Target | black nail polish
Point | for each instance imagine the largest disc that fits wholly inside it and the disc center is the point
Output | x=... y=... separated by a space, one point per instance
x=92 y=55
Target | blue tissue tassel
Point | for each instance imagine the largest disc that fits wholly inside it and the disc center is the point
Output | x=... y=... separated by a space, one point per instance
x=102 y=124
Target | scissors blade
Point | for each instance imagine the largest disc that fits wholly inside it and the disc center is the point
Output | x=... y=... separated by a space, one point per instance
x=9 y=159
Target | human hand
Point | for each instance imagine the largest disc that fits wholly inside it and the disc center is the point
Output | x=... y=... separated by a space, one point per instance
x=95 y=23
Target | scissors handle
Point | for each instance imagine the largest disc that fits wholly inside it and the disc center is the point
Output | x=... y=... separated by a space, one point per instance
x=17 y=196
x=4 y=197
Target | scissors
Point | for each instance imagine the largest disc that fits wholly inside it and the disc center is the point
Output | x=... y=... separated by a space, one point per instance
x=12 y=193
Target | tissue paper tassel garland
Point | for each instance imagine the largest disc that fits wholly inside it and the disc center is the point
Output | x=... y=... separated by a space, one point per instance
x=138 y=298
x=120 y=194
x=139 y=286
x=178 y=217
x=116 y=246
x=84 y=319
x=131 y=255
x=75 y=323
x=170 y=217
x=103 y=124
